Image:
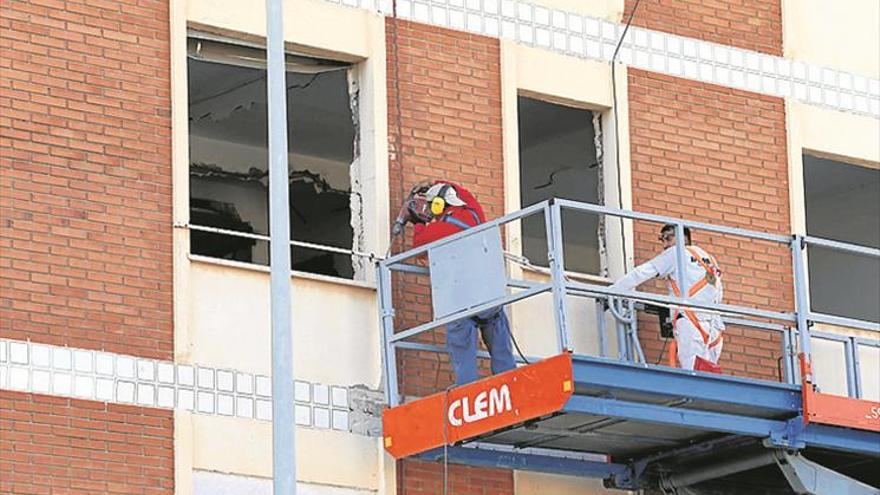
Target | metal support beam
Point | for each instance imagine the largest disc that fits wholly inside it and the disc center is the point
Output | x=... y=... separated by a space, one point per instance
x=661 y=415
x=607 y=374
x=526 y=462
x=809 y=478
x=283 y=423
x=633 y=479
x=717 y=470
x=574 y=433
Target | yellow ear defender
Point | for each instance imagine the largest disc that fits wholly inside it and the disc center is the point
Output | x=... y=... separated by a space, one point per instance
x=438 y=204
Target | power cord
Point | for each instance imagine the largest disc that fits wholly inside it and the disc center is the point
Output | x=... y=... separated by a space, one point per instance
x=663 y=350
x=446 y=440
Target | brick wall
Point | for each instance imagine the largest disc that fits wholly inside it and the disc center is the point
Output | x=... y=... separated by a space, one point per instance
x=85 y=159
x=85 y=201
x=53 y=445
x=717 y=155
x=426 y=478
x=750 y=24
x=450 y=128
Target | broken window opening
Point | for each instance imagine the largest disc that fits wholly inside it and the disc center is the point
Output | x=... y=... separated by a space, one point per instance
x=843 y=204
x=559 y=157
x=229 y=157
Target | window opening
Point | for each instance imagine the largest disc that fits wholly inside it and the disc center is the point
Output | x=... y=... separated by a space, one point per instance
x=559 y=157
x=228 y=138
x=843 y=204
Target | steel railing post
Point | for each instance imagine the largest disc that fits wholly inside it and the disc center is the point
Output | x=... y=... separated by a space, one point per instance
x=386 y=331
x=802 y=302
x=680 y=259
x=600 y=325
x=556 y=258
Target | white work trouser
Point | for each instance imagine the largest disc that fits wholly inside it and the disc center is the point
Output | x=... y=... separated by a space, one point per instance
x=691 y=344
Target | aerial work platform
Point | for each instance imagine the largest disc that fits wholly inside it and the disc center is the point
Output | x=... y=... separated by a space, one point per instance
x=617 y=418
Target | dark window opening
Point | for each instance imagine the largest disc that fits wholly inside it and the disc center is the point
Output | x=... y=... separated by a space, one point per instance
x=558 y=158
x=843 y=204
x=228 y=149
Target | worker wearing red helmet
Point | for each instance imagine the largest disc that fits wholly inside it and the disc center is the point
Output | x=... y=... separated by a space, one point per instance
x=452 y=210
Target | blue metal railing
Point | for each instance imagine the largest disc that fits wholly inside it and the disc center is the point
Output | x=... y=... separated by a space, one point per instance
x=793 y=326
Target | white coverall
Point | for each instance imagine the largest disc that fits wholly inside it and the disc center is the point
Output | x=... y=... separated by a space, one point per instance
x=702 y=278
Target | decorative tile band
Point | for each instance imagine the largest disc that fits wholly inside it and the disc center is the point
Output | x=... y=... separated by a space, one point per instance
x=587 y=37
x=121 y=379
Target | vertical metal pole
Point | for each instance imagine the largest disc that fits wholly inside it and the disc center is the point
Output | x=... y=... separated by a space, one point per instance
x=600 y=324
x=283 y=425
x=634 y=333
x=848 y=346
x=386 y=321
x=680 y=259
x=553 y=220
x=626 y=322
x=787 y=353
x=802 y=302
x=622 y=346
x=795 y=350
x=857 y=368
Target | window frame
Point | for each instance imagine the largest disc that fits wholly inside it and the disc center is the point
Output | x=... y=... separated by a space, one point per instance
x=360 y=169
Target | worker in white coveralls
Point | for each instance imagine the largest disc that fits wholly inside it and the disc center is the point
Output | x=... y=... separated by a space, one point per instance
x=698 y=335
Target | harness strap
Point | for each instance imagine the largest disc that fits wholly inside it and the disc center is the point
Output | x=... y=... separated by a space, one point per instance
x=691 y=315
x=459 y=223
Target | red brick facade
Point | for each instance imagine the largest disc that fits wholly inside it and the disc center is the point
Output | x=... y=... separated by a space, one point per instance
x=426 y=478
x=53 y=445
x=450 y=128
x=750 y=24
x=85 y=156
x=717 y=155
x=85 y=201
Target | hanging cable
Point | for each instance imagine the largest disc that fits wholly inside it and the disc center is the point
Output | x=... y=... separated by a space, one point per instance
x=632 y=15
x=398 y=127
x=617 y=124
x=663 y=350
x=446 y=441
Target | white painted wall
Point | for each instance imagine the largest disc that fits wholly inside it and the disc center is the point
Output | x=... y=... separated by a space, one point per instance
x=844 y=35
x=244 y=447
x=211 y=483
x=335 y=328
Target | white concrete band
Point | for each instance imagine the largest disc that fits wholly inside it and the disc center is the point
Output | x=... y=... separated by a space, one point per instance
x=119 y=379
x=588 y=37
